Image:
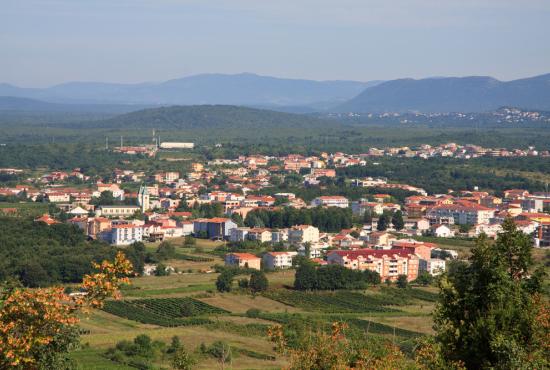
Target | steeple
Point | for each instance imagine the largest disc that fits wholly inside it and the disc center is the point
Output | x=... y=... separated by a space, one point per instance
x=143 y=198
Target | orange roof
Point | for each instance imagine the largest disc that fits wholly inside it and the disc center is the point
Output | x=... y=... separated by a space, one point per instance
x=218 y=220
x=46 y=219
x=244 y=256
x=125 y=226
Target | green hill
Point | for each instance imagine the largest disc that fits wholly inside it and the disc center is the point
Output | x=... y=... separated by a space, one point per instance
x=210 y=116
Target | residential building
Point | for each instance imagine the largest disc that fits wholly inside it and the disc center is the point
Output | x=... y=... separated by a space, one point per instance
x=388 y=263
x=279 y=236
x=434 y=266
x=441 y=231
x=239 y=234
x=381 y=238
x=543 y=235
x=47 y=219
x=316 y=250
x=278 y=260
x=262 y=235
x=215 y=228
x=331 y=201
x=123 y=234
x=360 y=207
x=243 y=260
x=465 y=213
x=491 y=230
x=117 y=211
x=303 y=234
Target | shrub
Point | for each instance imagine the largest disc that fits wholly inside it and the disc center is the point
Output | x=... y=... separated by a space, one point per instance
x=253 y=313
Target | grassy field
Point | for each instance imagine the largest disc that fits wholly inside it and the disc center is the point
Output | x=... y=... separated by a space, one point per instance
x=25 y=208
x=382 y=311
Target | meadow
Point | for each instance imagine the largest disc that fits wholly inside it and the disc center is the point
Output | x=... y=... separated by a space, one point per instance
x=188 y=305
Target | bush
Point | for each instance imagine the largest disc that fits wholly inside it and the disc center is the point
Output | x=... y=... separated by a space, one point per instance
x=402 y=281
x=253 y=313
x=165 y=251
x=258 y=282
x=221 y=351
x=243 y=283
x=224 y=281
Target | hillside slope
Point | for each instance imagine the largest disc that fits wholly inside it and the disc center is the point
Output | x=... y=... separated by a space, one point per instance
x=466 y=94
x=211 y=116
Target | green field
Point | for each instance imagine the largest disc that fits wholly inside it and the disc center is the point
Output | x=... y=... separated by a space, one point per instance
x=24 y=208
x=188 y=305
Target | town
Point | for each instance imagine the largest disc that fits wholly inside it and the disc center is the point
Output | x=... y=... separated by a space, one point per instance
x=266 y=229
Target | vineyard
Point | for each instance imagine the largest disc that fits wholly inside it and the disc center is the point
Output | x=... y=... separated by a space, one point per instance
x=377 y=328
x=191 y=258
x=346 y=301
x=331 y=302
x=164 y=311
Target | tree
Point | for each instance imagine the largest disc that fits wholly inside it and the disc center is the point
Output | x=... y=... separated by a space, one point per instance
x=383 y=223
x=372 y=277
x=136 y=253
x=306 y=276
x=221 y=351
x=397 y=220
x=175 y=344
x=189 y=241
x=367 y=216
x=165 y=251
x=224 y=281
x=464 y=228
x=424 y=278
x=488 y=315
x=258 y=282
x=402 y=281
x=243 y=283
x=106 y=198
x=38 y=327
x=238 y=219
x=161 y=270
x=183 y=360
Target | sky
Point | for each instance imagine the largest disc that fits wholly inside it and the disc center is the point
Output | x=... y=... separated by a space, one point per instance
x=46 y=42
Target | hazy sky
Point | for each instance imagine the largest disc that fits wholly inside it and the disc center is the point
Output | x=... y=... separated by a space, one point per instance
x=44 y=42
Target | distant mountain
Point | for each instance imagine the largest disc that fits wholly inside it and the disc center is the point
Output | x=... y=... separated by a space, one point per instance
x=451 y=94
x=240 y=89
x=16 y=104
x=222 y=117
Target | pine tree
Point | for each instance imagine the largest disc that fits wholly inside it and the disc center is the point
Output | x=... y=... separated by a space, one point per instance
x=397 y=220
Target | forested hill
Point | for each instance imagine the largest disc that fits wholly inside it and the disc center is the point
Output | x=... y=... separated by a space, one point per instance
x=452 y=94
x=210 y=116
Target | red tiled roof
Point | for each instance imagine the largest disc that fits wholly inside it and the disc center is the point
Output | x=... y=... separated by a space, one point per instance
x=244 y=256
x=376 y=253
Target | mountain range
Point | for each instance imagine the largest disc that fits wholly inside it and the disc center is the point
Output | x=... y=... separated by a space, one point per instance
x=451 y=94
x=429 y=95
x=239 y=89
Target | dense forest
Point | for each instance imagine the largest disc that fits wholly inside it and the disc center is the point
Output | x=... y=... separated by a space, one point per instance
x=326 y=219
x=41 y=255
x=262 y=131
x=438 y=175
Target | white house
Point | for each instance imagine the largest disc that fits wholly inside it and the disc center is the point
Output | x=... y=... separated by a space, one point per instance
x=278 y=260
x=239 y=234
x=441 y=231
x=434 y=266
x=124 y=234
x=303 y=234
x=316 y=250
x=331 y=201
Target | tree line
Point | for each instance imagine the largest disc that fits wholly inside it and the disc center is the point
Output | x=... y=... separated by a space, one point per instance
x=331 y=219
